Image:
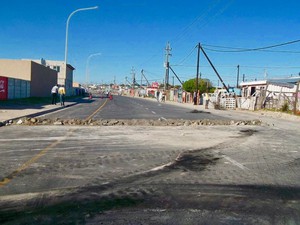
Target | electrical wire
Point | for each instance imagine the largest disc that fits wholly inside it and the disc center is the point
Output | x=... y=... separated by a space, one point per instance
x=187 y=57
x=252 y=49
x=198 y=19
x=206 y=14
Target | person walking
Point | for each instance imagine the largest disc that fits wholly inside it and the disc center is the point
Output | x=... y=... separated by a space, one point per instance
x=206 y=100
x=54 y=91
x=195 y=98
x=62 y=93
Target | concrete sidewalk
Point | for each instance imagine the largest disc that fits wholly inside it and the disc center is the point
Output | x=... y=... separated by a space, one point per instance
x=13 y=112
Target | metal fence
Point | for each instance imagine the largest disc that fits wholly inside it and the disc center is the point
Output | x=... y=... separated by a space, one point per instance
x=18 y=88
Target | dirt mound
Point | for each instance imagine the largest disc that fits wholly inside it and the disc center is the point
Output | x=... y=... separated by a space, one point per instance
x=133 y=122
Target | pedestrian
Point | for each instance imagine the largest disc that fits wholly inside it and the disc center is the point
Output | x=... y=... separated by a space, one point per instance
x=157 y=95
x=62 y=93
x=54 y=91
x=206 y=100
x=163 y=96
x=195 y=98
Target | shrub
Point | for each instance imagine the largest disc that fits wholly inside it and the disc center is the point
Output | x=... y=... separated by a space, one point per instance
x=285 y=107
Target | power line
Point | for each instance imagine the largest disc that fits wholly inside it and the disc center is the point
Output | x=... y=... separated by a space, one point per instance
x=252 y=49
x=200 y=18
x=205 y=15
x=246 y=50
x=186 y=57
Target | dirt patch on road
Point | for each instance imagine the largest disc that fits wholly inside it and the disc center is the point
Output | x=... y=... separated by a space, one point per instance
x=133 y=122
x=194 y=161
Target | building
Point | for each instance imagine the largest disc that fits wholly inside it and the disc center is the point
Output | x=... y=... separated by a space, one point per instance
x=270 y=93
x=65 y=73
x=21 y=79
x=78 y=89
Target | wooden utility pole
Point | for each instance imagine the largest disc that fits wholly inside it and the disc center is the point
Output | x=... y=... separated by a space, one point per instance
x=173 y=81
x=198 y=69
x=145 y=78
x=296 y=98
x=238 y=76
x=212 y=65
x=167 y=65
x=133 y=77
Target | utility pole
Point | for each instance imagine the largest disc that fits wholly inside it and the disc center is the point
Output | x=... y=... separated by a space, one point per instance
x=238 y=76
x=133 y=77
x=126 y=81
x=197 y=74
x=214 y=69
x=173 y=81
x=145 y=77
x=167 y=65
x=265 y=74
x=296 y=98
x=243 y=77
x=176 y=75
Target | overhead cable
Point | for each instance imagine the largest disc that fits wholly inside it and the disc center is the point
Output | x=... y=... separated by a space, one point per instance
x=251 y=49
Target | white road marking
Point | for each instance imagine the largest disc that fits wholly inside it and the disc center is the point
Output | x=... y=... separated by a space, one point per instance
x=153 y=112
x=236 y=163
x=161 y=167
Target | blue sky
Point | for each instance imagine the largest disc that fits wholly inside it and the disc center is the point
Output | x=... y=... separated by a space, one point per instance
x=134 y=34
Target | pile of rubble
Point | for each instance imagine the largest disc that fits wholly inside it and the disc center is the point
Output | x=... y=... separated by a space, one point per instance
x=133 y=122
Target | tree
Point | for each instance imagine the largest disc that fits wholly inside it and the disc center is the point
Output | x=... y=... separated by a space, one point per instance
x=204 y=85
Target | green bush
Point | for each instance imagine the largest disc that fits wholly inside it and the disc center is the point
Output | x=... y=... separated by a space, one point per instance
x=285 y=107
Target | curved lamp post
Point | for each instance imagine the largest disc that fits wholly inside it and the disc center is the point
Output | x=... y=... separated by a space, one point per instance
x=87 y=71
x=67 y=28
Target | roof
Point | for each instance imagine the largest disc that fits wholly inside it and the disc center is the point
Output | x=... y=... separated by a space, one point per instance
x=289 y=81
x=254 y=83
x=71 y=67
x=292 y=80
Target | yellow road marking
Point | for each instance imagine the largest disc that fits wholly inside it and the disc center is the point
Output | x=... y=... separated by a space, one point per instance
x=10 y=177
x=94 y=113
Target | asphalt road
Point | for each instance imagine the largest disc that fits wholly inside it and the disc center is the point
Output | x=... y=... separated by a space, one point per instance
x=121 y=107
x=149 y=175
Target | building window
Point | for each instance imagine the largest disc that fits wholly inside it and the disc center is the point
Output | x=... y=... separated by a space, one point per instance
x=57 y=68
x=253 y=90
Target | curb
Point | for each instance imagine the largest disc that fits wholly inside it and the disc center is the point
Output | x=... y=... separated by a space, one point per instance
x=37 y=114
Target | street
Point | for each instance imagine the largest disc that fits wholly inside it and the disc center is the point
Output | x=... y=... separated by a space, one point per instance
x=150 y=175
x=128 y=108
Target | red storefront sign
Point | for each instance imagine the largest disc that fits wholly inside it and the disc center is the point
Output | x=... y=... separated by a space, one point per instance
x=3 y=88
x=155 y=85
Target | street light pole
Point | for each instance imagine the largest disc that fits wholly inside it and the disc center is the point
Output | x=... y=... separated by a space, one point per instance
x=67 y=28
x=87 y=72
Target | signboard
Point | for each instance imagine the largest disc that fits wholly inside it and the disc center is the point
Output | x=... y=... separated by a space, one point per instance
x=3 y=88
x=155 y=85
